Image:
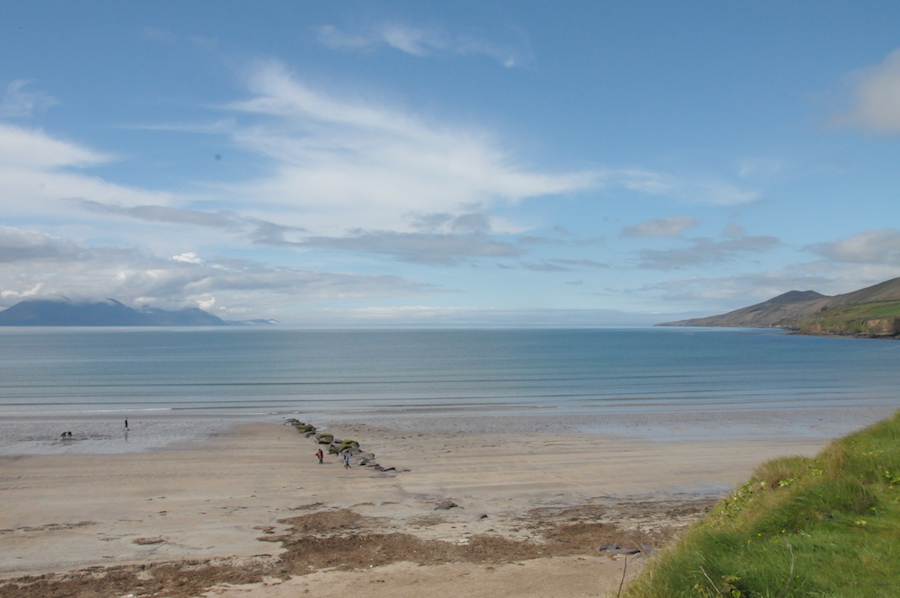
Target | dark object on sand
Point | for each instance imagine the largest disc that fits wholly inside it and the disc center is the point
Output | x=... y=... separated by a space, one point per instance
x=614 y=549
x=446 y=506
x=66 y=435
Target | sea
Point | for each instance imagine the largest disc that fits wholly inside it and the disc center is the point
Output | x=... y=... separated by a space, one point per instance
x=179 y=384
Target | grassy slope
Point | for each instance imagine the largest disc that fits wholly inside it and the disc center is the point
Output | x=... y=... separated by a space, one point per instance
x=856 y=319
x=823 y=527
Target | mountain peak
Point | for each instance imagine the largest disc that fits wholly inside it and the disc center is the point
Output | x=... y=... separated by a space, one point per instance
x=109 y=312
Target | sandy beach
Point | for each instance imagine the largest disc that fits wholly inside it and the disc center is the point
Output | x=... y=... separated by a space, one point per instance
x=250 y=512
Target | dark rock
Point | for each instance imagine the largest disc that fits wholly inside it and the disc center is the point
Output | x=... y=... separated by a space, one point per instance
x=446 y=506
x=615 y=549
x=481 y=516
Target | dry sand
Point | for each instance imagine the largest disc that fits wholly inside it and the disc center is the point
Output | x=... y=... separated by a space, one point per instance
x=251 y=513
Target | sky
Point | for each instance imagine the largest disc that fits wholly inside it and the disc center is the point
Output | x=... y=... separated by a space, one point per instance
x=415 y=163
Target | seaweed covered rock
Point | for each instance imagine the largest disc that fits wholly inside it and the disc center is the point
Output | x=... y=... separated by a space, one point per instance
x=301 y=427
x=347 y=445
x=325 y=438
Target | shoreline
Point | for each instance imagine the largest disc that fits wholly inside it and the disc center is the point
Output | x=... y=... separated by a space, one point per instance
x=95 y=433
x=229 y=496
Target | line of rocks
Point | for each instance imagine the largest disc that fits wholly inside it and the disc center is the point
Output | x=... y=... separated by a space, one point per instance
x=336 y=446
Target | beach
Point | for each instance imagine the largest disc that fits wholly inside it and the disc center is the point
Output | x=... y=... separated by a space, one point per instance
x=248 y=511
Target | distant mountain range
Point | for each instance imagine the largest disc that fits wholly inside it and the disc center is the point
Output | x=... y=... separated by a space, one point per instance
x=42 y=312
x=872 y=311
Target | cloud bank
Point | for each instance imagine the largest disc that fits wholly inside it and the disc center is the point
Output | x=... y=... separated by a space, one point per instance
x=875 y=97
x=35 y=264
x=876 y=247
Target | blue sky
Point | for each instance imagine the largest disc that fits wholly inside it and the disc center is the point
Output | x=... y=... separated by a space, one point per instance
x=466 y=163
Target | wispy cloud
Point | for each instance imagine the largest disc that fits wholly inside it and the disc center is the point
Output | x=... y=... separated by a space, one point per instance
x=580 y=264
x=33 y=149
x=365 y=166
x=704 y=251
x=18 y=101
x=688 y=190
x=260 y=232
x=564 y=265
x=671 y=226
x=875 y=96
x=423 y=248
x=36 y=170
x=423 y=41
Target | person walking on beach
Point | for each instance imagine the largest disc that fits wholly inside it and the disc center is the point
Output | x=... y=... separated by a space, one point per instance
x=346 y=460
x=320 y=455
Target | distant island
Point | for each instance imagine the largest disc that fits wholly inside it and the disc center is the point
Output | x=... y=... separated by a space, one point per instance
x=46 y=312
x=870 y=312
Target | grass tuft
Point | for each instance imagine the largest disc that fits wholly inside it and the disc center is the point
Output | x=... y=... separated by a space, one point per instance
x=822 y=527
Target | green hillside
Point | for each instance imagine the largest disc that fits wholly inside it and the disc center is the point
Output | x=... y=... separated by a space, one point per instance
x=872 y=311
x=822 y=527
x=878 y=318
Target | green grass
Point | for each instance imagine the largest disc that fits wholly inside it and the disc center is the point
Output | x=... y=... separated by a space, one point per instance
x=823 y=527
x=854 y=319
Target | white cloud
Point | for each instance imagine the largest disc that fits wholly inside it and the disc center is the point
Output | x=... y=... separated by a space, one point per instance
x=671 y=226
x=188 y=258
x=423 y=41
x=17 y=101
x=348 y=165
x=341 y=165
x=31 y=149
x=37 y=170
x=876 y=98
x=880 y=246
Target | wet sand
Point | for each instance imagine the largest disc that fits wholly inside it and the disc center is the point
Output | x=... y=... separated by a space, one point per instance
x=249 y=512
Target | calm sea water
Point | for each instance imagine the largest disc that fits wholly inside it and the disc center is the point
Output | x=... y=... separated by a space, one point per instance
x=286 y=371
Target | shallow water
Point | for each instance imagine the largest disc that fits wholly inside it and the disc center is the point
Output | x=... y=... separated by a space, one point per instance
x=191 y=382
